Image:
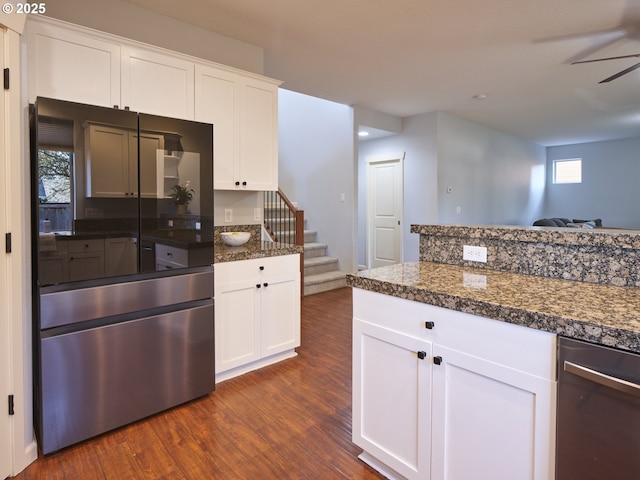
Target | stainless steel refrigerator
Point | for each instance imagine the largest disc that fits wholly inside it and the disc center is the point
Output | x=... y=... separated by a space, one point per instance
x=122 y=250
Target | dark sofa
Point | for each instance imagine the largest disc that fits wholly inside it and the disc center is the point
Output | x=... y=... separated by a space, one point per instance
x=566 y=222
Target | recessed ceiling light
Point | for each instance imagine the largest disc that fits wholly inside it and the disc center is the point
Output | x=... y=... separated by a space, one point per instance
x=363 y=133
x=480 y=96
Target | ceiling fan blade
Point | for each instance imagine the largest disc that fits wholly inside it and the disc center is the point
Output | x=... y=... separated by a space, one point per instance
x=623 y=72
x=636 y=55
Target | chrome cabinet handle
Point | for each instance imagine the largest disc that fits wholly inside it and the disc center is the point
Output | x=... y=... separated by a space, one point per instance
x=603 y=379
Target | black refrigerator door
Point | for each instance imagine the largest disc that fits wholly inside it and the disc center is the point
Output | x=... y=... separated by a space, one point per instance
x=176 y=190
x=84 y=200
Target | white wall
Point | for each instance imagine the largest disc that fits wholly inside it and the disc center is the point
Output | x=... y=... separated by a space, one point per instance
x=419 y=142
x=316 y=144
x=494 y=177
x=609 y=188
x=126 y=20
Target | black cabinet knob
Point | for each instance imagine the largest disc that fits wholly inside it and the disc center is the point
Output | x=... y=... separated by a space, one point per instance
x=237 y=184
x=258 y=285
x=429 y=325
x=437 y=360
x=265 y=284
x=261 y=267
x=244 y=184
x=422 y=355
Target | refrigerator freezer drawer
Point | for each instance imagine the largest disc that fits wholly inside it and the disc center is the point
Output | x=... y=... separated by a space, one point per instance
x=99 y=379
x=74 y=306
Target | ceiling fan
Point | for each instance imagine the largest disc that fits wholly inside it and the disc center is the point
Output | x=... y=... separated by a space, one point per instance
x=619 y=74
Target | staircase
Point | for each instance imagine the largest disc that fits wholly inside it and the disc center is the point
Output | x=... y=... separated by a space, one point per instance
x=321 y=272
x=284 y=223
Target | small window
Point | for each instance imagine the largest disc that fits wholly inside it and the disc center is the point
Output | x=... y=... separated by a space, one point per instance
x=567 y=171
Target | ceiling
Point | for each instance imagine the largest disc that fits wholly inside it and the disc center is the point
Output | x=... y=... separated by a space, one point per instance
x=407 y=57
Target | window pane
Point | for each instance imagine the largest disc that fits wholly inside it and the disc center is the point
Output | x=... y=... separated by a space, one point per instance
x=567 y=171
x=54 y=188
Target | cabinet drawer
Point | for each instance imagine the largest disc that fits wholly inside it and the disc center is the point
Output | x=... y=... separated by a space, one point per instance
x=174 y=255
x=81 y=246
x=245 y=270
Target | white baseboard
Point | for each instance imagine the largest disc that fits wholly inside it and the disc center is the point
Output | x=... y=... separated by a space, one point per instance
x=263 y=362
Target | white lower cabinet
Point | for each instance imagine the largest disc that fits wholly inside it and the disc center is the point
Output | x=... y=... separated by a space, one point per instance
x=120 y=256
x=257 y=305
x=444 y=395
x=392 y=398
x=86 y=259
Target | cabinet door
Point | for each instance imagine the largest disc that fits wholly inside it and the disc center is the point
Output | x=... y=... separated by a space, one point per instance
x=107 y=157
x=157 y=84
x=69 y=66
x=86 y=265
x=237 y=324
x=490 y=421
x=217 y=102
x=392 y=398
x=53 y=268
x=120 y=256
x=86 y=259
x=280 y=310
x=151 y=158
x=259 y=136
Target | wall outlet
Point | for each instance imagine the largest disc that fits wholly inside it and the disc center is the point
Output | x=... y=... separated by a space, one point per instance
x=198 y=226
x=257 y=214
x=170 y=223
x=228 y=215
x=474 y=254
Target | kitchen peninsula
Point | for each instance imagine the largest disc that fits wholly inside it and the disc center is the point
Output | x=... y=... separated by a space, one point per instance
x=472 y=347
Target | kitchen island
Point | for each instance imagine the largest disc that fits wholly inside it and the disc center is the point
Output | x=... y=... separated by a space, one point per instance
x=602 y=314
x=455 y=362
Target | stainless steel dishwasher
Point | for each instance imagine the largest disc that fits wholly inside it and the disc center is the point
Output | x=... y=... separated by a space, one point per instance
x=598 y=413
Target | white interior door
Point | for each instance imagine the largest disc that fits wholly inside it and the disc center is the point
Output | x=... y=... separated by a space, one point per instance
x=5 y=358
x=384 y=209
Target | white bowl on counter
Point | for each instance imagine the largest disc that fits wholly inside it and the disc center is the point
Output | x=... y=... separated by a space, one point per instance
x=235 y=239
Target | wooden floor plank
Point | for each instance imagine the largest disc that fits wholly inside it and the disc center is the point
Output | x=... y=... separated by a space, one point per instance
x=291 y=420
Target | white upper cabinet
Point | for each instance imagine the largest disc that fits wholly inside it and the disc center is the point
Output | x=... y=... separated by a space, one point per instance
x=218 y=102
x=156 y=83
x=70 y=66
x=108 y=158
x=69 y=63
x=244 y=113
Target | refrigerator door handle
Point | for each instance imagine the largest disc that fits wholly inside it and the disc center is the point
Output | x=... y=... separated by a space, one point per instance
x=603 y=379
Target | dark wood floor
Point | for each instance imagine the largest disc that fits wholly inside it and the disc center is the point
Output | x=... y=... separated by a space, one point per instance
x=291 y=420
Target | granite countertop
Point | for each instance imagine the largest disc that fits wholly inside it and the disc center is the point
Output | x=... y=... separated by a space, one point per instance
x=602 y=314
x=224 y=253
x=588 y=237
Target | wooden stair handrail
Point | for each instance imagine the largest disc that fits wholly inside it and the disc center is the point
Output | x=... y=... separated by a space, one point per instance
x=299 y=231
x=299 y=214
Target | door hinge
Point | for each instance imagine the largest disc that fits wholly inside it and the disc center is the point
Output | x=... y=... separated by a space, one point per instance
x=6 y=79
x=11 y=410
x=7 y=241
